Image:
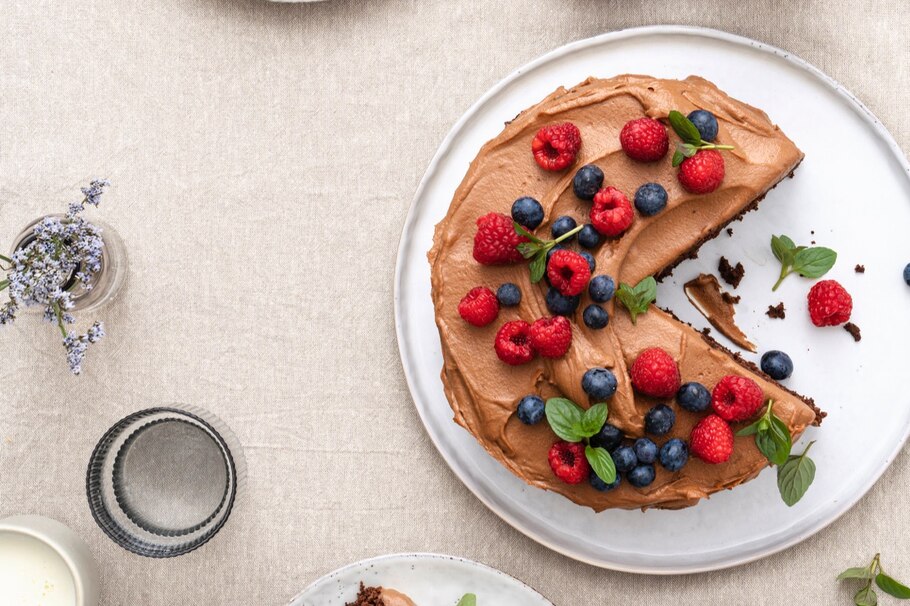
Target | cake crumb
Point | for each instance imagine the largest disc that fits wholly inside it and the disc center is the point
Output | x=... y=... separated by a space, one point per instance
x=730 y=231
x=776 y=311
x=731 y=299
x=706 y=331
x=853 y=329
x=732 y=275
x=860 y=269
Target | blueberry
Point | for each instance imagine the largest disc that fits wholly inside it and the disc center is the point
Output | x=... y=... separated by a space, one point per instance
x=587 y=181
x=562 y=226
x=641 y=476
x=659 y=420
x=650 y=199
x=595 y=316
x=624 y=458
x=509 y=295
x=602 y=486
x=531 y=410
x=599 y=383
x=645 y=450
x=601 y=288
x=674 y=454
x=907 y=274
x=609 y=437
x=527 y=212
x=777 y=364
x=560 y=304
x=705 y=122
x=592 y=264
x=589 y=237
x=694 y=397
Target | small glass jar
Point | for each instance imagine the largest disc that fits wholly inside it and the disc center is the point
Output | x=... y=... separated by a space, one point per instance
x=105 y=284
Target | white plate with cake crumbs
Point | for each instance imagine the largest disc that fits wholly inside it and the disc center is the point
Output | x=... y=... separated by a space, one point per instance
x=857 y=203
x=426 y=579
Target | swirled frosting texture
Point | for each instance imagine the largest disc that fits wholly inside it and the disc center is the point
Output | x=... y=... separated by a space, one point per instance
x=483 y=391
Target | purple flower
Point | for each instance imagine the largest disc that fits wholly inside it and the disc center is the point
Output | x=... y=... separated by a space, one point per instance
x=60 y=250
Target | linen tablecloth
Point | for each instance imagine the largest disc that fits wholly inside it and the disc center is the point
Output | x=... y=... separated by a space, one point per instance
x=263 y=157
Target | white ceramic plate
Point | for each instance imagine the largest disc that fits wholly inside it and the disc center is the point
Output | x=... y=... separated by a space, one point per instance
x=428 y=579
x=852 y=191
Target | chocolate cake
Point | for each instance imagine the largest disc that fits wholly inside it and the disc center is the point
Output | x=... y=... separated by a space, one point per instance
x=380 y=596
x=483 y=391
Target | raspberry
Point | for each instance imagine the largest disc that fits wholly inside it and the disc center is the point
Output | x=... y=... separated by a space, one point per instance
x=611 y=213
x=711 y=440
x=568 y=272
x=829 y=303
x=736 y=398
x=654 y=373
x=479 y=307
x=644 y=139
x=551 y=337
x=555 y=146
x=568 y=462
x=703 y=172
x=495 y=241
x=513 y=343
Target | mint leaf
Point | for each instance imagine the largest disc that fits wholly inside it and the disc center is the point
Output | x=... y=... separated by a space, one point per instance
x=521 y=231
x=602 y=463
x=538 y=266
x=891 y=586
x=468 y=599
x=678 y=158
x=866 y=596
x=782 y=247
x=565 y=419
x=637 y=299
x=859 y=572
x=795 y=476
x=594 y=419
x=685 y=129
x=814 y=262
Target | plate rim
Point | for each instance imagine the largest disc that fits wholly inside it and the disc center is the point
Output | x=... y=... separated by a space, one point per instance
x=444 y=147
x=419 y=555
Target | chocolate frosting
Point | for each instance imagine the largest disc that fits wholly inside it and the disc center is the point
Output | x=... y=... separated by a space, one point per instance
x=484 y=392
x=705 y=295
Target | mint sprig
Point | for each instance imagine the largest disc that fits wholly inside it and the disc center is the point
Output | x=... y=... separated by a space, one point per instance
x=795 y=473
x=866 y=595
x=691 y=138
x=637 y=298
x=772 y=436
x=809 y=262
x=572 y=423
x=536 y=250
x=468 y=599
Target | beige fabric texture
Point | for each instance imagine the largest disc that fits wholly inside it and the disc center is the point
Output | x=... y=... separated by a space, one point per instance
x=263 y=158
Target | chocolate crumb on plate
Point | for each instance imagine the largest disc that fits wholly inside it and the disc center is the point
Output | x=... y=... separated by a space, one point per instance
x=731 y=299
x=730 y=231
x=732 y=275
x=776 y=311
x=853 y=329
x=860 y=269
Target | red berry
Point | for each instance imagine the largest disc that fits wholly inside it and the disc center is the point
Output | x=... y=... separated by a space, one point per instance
x=551 y=337
x=611 y=213
x=496 y=240
x=654 y=373
x=711 y=440
x=568 y=462
x=479 y=307
x=829 y=303
x=555 y=146
x=513 y=343
x=736 y=398
x=703 y=172
x=644 y=139
x=568 y=272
